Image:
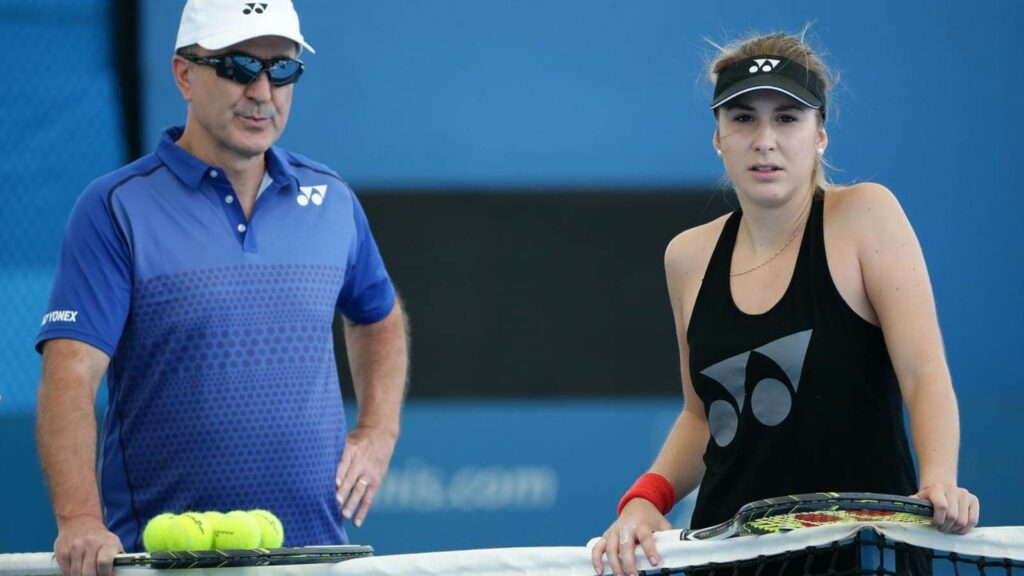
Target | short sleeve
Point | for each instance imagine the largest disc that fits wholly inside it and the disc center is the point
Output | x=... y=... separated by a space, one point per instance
x=91 y=292
x=368 y=294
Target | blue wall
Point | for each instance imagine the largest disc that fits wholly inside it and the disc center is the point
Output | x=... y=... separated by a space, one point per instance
x=62 y=127
x=610 y=93
x=479 y=94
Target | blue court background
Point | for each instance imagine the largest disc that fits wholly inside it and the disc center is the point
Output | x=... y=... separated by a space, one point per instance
x=480 y=94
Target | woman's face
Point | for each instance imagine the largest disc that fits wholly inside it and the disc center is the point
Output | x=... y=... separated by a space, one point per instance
x=770 y=144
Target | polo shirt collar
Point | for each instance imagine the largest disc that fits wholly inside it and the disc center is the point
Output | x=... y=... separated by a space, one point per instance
x=191 y=170
x=279 y=168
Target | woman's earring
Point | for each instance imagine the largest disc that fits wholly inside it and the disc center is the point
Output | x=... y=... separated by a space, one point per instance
x=719 y=152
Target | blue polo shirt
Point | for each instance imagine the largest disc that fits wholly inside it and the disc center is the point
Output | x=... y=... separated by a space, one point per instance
x=223 y=390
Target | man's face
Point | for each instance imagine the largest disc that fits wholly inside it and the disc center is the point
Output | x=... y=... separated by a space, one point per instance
x=233 y=119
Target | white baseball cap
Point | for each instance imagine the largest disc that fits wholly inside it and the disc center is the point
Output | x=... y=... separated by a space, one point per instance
x=217 y=24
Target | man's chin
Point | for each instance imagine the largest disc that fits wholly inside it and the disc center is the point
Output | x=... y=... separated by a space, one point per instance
x=252 y=147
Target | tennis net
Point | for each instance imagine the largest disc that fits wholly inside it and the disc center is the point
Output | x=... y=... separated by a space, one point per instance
x=877 y=549
x=882 y=549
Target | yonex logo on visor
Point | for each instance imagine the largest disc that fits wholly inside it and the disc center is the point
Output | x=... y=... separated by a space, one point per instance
x=770 y=72
x=258 y=8
x=763 y=65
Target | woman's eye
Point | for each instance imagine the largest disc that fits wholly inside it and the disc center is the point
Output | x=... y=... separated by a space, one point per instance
x=786 y=118
x=743 y=118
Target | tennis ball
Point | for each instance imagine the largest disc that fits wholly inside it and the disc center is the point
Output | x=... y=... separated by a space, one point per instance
x=176 y=536
x=271 y=530
x=236 y=530
x=213 y=517
x=198 y=529
x=154 y=536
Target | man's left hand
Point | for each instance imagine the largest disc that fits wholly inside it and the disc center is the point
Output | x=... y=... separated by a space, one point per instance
x=361 y=470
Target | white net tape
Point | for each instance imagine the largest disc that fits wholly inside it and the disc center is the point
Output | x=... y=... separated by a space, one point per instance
x=990 y=542
x=1003 y=542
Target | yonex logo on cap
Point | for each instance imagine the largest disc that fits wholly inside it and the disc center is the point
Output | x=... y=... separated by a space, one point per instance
x=60 y=316
x=258 y=8
x=314 y=194
x=763 y=65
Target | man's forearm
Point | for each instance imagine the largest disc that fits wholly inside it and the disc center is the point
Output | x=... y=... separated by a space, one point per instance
x=379 y=358
x=66 y=432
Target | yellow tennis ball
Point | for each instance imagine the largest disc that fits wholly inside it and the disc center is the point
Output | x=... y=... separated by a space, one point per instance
x=236 y=530
x=175 y=535
x=213 y=517
x=154 y=536
x=271 y=530
x=198 y=531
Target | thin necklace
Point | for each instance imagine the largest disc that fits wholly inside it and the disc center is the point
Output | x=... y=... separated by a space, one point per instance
x=784 y=246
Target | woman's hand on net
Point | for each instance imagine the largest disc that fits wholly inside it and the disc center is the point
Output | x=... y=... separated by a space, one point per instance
x=956 y=509
x=636 y=525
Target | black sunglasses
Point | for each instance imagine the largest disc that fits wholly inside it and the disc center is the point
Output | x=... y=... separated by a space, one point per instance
x=245 y=69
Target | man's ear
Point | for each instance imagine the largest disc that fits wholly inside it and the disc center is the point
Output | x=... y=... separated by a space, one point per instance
x=182 y=70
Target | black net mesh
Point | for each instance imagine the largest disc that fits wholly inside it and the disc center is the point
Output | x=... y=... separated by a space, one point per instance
x=865 y=554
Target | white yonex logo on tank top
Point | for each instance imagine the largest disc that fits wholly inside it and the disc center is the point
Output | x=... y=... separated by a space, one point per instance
x=770 y=398
x=763 y=65
x=314 y=194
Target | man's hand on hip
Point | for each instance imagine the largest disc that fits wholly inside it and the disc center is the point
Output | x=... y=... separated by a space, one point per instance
x=361 y=470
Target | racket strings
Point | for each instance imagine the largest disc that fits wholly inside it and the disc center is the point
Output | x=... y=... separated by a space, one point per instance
x=796 y=520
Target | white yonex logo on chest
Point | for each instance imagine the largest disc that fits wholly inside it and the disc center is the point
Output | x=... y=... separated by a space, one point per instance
x=770 y=398
x=314 y=194
x=763 y=65
x=254 y=7
x=60 y=316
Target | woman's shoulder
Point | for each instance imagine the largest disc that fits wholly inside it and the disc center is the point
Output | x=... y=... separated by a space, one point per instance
x=864 y=199
x=691 y=249
x=864 y=216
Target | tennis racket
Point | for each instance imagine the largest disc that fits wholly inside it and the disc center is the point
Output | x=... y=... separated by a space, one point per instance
x=787 y=513
x=44 y=563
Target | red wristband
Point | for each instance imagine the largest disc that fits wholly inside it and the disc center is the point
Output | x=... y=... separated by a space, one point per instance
x=654 y=488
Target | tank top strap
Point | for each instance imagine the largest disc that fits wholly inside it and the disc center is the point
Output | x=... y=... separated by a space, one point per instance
x=811 y=264
x=716 y=277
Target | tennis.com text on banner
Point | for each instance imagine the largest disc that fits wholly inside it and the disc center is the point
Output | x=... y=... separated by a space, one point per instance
x=415 y=486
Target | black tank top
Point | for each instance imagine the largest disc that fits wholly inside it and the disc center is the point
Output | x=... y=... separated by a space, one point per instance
x=802 y=398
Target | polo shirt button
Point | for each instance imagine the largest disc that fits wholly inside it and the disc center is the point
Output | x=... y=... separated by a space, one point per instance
x=213 y=174
x=229 y=198
x=241 y=228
